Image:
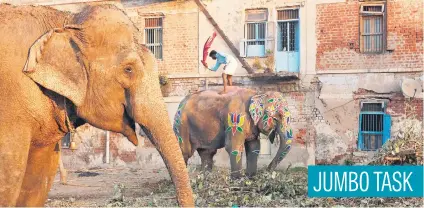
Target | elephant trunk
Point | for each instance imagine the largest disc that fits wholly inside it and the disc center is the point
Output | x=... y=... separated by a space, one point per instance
x=149 y=111
x=166 y=143
x=283 y=149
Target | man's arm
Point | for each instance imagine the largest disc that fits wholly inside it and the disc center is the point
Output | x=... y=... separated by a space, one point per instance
x=216 y=66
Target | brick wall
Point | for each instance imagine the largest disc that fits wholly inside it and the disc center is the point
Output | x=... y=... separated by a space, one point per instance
x=180 y=34
x=338 y=26
x=401 y=107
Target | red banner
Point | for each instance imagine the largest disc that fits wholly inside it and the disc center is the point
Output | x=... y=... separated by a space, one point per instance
x=206 y=47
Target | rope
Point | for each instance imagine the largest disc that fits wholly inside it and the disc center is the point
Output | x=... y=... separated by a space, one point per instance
x=69 y=124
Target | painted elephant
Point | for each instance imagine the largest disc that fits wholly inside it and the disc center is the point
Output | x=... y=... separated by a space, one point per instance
x=59 y=70
x=207 y=121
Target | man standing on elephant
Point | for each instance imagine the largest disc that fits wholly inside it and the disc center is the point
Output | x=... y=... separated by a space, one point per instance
x=229 y=68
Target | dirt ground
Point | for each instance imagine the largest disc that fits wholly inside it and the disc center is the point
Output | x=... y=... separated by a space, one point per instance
x=95 y=187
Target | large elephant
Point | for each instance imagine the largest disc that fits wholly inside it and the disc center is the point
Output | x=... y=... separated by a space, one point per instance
x=59 y=70
x=207 y=121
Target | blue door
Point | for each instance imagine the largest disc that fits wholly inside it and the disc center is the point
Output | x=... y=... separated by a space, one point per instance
x=287 y=54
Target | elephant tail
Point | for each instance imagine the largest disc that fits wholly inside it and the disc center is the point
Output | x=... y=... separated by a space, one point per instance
x=284 y=148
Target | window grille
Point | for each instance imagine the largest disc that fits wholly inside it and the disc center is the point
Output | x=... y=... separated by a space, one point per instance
x=260 y=15
x=372 y=28
x=255 y=32
x=374 y=126
x=288 y=21
x=154 y=36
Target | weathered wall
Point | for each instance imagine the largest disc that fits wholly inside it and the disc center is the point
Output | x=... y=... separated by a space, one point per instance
x=230 y=15
x=338 y=101
x=337 y=26
x=180 y=33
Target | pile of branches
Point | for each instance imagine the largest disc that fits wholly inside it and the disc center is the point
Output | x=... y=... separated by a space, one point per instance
x=267 y=189
x=407 y=146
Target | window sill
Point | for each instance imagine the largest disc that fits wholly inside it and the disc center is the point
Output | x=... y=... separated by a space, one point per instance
x=358 y=71
x=253 y=57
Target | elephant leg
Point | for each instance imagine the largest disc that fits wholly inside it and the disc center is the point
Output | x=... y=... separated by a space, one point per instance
x=206 y=155
x=13 y=160
x=41 y=168
x=235 y=147
x=252 y=152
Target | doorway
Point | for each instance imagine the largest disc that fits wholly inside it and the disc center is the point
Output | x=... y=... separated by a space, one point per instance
x=288 y=35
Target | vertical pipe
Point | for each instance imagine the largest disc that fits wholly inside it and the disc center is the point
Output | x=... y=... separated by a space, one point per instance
x=206 y=83
x=107 y=146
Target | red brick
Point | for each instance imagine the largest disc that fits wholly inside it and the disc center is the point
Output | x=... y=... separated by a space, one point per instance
x=338 y=25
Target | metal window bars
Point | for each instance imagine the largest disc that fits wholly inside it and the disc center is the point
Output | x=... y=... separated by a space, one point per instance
x=372 y=28
x=154 y=36
x=255 y=33
x=288 y=21
x=371 y=126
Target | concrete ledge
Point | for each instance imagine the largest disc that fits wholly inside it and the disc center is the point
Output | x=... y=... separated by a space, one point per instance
x=173 y=99
x=357 y=71
x=176 y=76
x=329 y=1
x=54 y=3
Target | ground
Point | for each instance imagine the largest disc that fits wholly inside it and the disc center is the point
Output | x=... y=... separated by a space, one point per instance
x=95 y=187
x=152 y=187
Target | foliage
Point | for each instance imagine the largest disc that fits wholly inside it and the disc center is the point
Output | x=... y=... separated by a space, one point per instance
x=257 y=63
x=270 y=60
x=348 y=162
x=267 y=189
x=163 y=79
x=407 y=146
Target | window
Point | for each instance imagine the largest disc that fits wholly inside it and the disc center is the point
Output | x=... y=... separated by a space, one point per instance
x=372 y=28
x=288 y=22
x=255 y=32
x=374 y=126
x=153 y=36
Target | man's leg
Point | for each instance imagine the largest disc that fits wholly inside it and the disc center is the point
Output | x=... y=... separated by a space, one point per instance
x=230 y=80
x=224 y=79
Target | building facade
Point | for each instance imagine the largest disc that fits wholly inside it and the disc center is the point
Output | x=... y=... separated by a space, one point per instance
x=340 y=64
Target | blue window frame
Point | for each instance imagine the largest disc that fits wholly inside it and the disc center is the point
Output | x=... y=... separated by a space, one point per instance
x=255 y=32
x=374 y=126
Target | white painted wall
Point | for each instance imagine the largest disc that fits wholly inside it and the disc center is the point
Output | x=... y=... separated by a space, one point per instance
x=230 y=16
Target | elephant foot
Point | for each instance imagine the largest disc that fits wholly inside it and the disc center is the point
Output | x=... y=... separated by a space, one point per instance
x=236 y=175
x=251 y=175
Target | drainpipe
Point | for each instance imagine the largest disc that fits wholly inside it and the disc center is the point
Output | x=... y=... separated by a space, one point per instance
x=107 y=146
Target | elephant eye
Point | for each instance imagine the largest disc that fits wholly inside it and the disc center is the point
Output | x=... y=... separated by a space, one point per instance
x=128 y=69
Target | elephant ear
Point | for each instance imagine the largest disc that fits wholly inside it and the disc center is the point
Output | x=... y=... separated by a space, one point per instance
x=55 y=62
x=256 y=108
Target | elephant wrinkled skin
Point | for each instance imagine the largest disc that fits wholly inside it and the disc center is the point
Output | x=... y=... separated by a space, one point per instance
x=207 y=121
x=88 y=65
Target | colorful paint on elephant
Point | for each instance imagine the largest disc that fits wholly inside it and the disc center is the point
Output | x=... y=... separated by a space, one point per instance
x=177 y=118
x=267 y=120
x=256 y=108
x=285 y=151
x=180 y=139
x=238 y=152
x=177 y=122
x=235 y=123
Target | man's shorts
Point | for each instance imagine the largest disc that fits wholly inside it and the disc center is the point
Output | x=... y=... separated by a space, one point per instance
x=230 y=67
